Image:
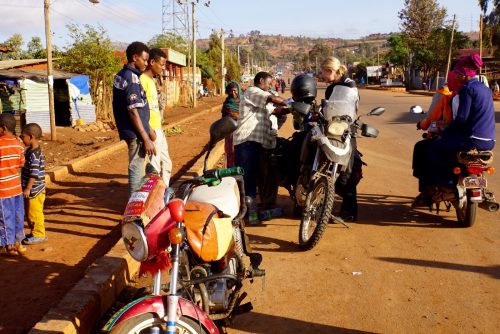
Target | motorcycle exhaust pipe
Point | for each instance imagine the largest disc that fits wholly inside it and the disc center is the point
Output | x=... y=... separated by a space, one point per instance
x=490 y=206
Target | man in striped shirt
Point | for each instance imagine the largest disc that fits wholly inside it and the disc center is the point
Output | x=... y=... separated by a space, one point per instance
x=11 y=195
x=33 y=182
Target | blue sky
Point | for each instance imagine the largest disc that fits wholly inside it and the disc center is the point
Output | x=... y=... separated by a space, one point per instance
x=129 y=20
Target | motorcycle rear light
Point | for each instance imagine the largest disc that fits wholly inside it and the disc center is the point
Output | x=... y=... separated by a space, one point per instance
x=490 y=170
x=175 y=236
x=476 y=193
x=475 y=169
x=457 y=170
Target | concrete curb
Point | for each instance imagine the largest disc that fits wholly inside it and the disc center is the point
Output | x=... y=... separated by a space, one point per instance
x=61 y=172
x=82 y=307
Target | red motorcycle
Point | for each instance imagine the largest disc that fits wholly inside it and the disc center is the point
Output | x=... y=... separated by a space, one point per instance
x=200 y=236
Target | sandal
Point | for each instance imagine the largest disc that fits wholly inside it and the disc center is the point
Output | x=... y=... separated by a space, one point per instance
x=20 y=248
x=11 y=251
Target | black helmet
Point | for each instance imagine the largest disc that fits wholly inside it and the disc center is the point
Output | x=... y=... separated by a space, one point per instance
x=303 y=88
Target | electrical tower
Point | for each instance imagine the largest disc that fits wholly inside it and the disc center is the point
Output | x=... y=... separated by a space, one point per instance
x=175 y=18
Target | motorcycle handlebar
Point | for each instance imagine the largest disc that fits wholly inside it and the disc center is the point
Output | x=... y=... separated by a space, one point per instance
x=220 y=173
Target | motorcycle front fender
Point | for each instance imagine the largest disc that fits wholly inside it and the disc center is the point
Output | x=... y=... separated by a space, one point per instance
x=158 y=306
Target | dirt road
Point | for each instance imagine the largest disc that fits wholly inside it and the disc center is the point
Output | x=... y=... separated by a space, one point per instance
x=395 y=270
x=82 y=215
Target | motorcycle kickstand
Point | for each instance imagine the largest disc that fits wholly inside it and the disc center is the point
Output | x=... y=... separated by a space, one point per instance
x=338 y=220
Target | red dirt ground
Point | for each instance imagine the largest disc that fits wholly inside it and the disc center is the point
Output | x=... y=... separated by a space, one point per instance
x=82 y=213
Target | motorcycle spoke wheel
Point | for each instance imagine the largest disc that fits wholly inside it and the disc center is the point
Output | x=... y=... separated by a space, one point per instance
x=144 y=323
x=317 y=212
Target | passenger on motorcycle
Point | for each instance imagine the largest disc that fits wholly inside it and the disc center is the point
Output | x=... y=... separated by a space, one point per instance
x=472 y=128
x=253 y=134
x=444 y=104
x=334 y=73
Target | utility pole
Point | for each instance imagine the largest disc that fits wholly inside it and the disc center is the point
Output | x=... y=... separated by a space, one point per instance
x=193 y=18
x=222 y=70
x=239 y=55
x=50 y=77
x=449 y=50
x=480 y=38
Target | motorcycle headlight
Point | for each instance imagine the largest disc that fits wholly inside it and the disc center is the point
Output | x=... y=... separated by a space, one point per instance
x=135 y=241
x=337 y=128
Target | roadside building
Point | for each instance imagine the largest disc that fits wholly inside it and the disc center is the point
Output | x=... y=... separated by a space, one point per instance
x=24 y=93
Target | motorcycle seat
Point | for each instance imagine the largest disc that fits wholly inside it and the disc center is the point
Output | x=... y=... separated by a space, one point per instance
x=224 y=196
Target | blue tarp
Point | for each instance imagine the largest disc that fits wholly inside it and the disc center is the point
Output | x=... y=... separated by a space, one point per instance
x=82 y=82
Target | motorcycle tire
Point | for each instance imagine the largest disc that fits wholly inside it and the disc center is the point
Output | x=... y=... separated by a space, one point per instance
x=466 y=216
x=317 y=212
x=144 y=322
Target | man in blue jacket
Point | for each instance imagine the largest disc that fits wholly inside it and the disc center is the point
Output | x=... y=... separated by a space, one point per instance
x=131 y=111
x=473 y=127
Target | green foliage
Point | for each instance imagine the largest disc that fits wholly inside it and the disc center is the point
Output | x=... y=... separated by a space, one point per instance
x=319 y=52
x=169 y=40
x=419 y=18
x=35 y=48
x=491 y=30
x=91 y=53
x=15 y=42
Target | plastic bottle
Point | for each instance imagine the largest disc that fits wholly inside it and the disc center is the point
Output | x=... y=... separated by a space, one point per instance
x=271 y=213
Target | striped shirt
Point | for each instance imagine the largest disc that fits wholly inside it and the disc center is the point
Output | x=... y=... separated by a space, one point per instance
x=11 y=160
x=34 y=167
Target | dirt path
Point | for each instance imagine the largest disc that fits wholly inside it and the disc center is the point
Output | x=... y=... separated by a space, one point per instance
x=394 y=271
x=82 y=214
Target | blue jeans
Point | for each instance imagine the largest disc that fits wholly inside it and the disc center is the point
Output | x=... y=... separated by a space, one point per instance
x=247 y=155
x=11 y=220
x=136 y=156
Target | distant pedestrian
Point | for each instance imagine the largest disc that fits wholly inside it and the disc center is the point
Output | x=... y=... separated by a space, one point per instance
x=277 y=85
x=11 y=193
x=161 y=160
x=231 y=108
x=283 y=86
x=33 y=183
x=131 y=111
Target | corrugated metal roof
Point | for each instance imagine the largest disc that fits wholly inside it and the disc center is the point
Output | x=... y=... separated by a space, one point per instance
x=6 y=64
x=36 y=75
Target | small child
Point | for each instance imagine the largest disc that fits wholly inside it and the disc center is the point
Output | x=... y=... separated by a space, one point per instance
x=11 y=194
x=33 y=182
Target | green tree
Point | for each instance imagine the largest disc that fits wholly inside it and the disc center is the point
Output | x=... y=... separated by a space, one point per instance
x=491 y=28
x=418 y=20
x=15 y=42
x=35 y=48
x=169 y=40
x=91 y=53
x=319 y=52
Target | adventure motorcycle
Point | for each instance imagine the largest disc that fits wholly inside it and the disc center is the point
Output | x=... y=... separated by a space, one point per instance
x=200 y=235
x=471 y=187
x=326 y=151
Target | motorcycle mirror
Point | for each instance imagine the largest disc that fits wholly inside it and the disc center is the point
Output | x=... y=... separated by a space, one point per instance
x=369 y=131
x=416 y=110
x=376 y=111
x=301 y=108
x=221 y=128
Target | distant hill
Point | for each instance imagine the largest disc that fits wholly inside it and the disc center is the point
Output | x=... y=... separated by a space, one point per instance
x=276 y=44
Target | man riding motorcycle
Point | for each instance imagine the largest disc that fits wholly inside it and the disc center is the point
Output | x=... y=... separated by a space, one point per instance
x=472 y=128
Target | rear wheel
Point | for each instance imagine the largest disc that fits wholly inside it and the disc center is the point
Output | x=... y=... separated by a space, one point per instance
x=145 y=323
x=466 y=214
x=316 y=215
